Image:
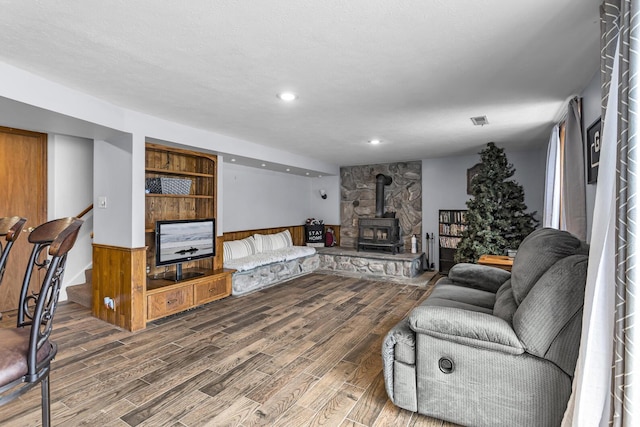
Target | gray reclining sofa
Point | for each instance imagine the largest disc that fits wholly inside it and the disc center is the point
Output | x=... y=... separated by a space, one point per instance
x=490 y=347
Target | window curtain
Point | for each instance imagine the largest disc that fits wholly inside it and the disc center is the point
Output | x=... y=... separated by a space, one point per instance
x=606 y=381
x=551 y=214
x=573 y=190
x=565 y=205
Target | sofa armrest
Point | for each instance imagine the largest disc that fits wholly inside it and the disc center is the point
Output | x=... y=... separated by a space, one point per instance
x=466 y=327
x=478 y=276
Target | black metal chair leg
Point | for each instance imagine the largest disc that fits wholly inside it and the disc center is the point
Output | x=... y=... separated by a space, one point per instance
x=46 y=410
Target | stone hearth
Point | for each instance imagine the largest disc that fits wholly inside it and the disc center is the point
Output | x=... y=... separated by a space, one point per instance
x=365 y=264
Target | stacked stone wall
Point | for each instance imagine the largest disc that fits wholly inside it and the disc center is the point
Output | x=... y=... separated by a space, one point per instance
x=403 y=196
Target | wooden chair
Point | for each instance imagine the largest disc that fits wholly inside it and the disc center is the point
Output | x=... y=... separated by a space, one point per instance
x=26 y=351
x=10 y=228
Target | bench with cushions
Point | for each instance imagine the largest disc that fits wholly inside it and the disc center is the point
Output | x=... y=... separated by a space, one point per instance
x=263 y=260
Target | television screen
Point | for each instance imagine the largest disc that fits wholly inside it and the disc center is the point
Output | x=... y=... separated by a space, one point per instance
x=180 y=241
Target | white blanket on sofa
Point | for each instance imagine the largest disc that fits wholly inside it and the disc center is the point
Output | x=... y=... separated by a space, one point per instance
x=262 y=249
x=256 y=260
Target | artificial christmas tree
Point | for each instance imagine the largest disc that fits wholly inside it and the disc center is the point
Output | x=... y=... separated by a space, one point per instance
x=496 y=217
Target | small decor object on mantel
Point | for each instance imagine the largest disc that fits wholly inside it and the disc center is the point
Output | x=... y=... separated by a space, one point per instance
x=593 y=151
x=314 y=232
x=168 y=186
x=329 y=238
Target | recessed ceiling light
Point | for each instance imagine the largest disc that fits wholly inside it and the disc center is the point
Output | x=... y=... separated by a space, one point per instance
x=288 y=170
x=233 y=160
x=307 y=173
x=374 y=141
x=263 y=165
x=319 y=176
x=287 y=96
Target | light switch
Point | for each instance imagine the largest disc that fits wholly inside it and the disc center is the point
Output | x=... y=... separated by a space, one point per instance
x=102 y=202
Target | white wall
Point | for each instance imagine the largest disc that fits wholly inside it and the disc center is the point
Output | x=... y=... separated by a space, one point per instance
x=326 y=209
x=444 y=186
x=28 y=101
x=113 y=172
x=257 y=198
x=70 y=191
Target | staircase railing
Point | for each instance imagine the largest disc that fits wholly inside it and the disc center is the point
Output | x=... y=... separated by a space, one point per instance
x=85 y=211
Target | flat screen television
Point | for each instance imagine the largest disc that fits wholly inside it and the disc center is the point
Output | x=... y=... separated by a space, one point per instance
x=184 y=240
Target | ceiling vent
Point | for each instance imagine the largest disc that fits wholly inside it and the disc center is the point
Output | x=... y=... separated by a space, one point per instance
x=480 y=120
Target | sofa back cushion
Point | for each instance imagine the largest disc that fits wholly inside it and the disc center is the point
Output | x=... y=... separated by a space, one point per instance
x=505 y=306
x=235 y=249
x=537 y=253
x=548 y=321
x=272 y=242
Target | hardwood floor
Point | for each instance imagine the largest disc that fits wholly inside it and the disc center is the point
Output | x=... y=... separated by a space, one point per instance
x=305 y=353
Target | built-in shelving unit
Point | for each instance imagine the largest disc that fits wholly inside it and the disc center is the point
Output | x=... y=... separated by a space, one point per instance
x=452 y=224
x=129 y=290
x=195 y=199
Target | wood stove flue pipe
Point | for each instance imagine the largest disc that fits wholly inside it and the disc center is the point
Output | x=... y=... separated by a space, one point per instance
x=381 y=181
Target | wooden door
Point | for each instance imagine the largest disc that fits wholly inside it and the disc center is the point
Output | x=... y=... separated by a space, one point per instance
x=23 y=192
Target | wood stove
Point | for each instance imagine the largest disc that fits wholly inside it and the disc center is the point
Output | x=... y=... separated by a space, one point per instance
x=383 y=231
x=379 y=233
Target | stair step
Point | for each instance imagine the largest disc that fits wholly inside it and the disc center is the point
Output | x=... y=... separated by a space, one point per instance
x=81 y=294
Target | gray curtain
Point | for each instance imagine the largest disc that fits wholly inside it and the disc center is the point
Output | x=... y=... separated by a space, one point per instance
x=619 y=26
x=609 y=30
x=574 y=210
x=607 y=377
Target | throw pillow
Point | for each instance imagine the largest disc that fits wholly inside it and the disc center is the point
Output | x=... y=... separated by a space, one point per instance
x=272 y=242
x=235 y=249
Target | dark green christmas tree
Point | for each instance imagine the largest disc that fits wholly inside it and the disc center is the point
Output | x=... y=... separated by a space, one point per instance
x=496 y=217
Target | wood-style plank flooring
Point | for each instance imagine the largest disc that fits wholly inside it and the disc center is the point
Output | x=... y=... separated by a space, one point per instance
x=303 y=353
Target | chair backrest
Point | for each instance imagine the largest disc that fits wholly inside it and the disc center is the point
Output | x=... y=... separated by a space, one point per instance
x=10 y=228
x=537 y=253
x=549 y=320
x=51 y=244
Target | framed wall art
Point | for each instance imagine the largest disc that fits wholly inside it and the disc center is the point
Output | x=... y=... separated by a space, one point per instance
x=471 y=172
x=593 y=150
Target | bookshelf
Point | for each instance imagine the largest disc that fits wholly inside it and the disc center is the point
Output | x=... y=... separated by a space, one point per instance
x=451 y=225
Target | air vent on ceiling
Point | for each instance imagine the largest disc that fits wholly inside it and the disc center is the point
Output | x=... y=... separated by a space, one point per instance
x=480 y=120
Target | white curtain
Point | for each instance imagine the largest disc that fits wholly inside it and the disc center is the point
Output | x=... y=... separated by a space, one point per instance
x=551 y=214
x=590 y=403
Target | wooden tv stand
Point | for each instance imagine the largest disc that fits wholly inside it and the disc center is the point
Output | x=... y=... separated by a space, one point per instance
x=166 y=297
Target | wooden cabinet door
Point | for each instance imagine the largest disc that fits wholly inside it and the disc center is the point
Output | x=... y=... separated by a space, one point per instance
x=23 y=192
x=169 y=302
x=212 y=288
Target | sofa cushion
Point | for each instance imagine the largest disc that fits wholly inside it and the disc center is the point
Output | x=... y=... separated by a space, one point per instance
x=465 y=295
x=272 y=242
x=478 y=276
x=552 y=305
x=505 y=306
x=537 y=252
x=441 y=302
x=236 y=249
x=294 y=252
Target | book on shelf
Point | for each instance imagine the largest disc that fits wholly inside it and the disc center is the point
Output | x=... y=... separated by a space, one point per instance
x=453 y=216
x=449 y=242
x=452 y=229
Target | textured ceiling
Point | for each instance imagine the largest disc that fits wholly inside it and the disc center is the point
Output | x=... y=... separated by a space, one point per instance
x=411 y=73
